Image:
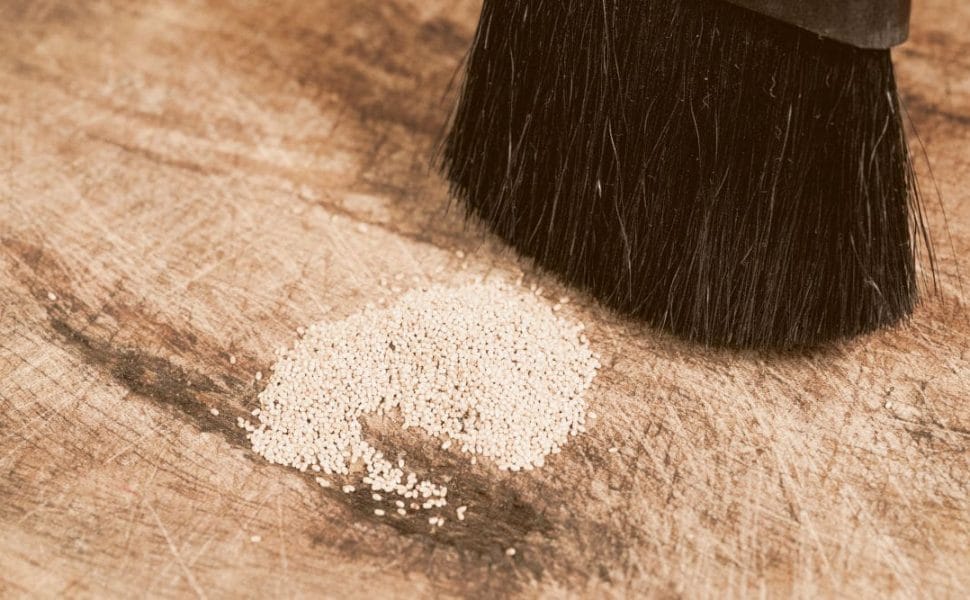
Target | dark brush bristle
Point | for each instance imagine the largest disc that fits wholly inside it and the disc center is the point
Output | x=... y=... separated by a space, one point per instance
x=719 y=174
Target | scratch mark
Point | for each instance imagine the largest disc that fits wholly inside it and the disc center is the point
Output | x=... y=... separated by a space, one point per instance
x=283 y=560
x=178 y=557
x=131 y=519
x=244 y=527
x=124 y=449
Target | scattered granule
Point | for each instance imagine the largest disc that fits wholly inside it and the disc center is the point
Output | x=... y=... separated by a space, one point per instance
x=232 y=359
x=51 y=296
x=379 y=512
x=510 y=552
x=487 y=367
x=214 y=412
x=460 y=512
x=255 y=539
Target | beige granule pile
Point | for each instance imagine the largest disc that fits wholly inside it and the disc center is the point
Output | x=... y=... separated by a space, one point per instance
x=488 y=367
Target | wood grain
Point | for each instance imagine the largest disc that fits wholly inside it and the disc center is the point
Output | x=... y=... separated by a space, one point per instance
x=181 y=181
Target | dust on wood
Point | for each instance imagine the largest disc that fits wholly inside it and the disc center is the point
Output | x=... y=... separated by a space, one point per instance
x=187 y=181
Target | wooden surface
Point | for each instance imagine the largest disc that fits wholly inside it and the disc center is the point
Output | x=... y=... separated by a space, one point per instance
x=181 y=181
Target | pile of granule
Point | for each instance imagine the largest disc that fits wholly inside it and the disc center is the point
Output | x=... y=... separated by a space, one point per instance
x=489 y=368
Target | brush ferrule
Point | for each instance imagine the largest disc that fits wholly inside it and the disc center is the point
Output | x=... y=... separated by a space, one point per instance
x=861 y=23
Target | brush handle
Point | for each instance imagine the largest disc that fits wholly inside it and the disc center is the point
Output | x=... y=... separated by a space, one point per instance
x=861 y=23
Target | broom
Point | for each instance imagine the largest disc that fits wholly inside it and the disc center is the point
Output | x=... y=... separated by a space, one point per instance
x=734 y=172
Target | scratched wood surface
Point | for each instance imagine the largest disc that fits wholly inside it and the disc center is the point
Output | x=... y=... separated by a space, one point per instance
x=181 y=181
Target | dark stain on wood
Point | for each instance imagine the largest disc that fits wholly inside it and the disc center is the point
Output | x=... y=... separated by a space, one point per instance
x=926 y=110
x=498 y=512
x=499 y=516
x=375 y=59
x=189 y=394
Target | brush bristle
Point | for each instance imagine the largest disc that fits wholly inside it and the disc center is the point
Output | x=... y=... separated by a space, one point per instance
x=719 y=174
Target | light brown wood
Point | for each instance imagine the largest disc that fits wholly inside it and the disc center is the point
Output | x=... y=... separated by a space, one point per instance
x=181 y=181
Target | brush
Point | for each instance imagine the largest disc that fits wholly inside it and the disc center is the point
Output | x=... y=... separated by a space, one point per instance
x=734 y=172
